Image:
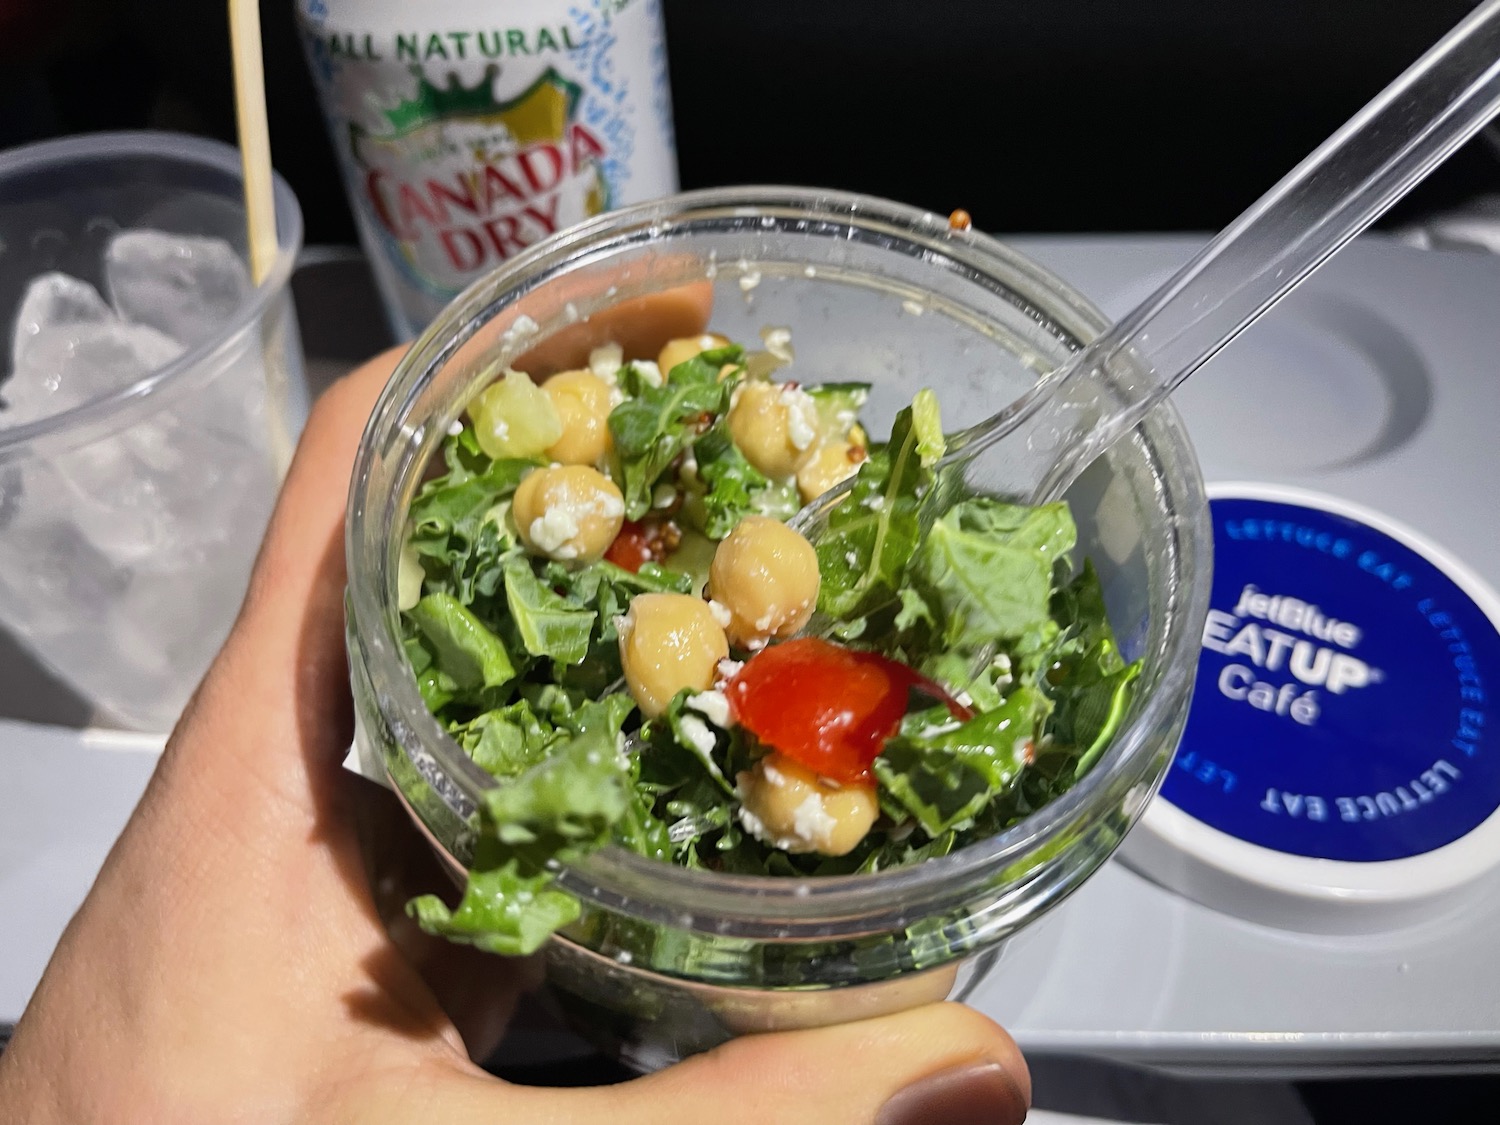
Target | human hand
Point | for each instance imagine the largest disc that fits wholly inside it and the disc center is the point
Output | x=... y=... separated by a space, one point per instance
x=233 y=963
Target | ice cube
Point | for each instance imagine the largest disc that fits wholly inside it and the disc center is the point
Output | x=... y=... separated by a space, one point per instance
x=66 y=365
x=185 y=286
x=55 y=300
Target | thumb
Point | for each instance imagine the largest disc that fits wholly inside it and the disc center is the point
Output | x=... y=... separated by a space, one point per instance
x=942 y=1063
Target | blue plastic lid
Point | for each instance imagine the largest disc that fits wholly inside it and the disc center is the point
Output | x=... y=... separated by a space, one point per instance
x=1338 y=767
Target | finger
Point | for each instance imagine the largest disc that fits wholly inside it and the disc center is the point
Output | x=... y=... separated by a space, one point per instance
x=277 y=693
x=287 y=647
x=641 y=326
x=476 y=990
x=940 y=1063
x=293 y=612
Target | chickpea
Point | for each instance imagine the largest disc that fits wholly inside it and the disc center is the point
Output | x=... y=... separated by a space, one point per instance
x=829 y=467
x=775 y=426
x=669 y=642
x=582 y=402
x=766 y=576
x=795 y=810
x=685 y=348
x=568 y=512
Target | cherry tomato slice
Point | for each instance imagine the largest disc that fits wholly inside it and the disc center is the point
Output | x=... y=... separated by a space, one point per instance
x=631 y=548
x=827 y=707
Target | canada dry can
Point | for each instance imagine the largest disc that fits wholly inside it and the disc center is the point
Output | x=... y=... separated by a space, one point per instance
x=469 y=129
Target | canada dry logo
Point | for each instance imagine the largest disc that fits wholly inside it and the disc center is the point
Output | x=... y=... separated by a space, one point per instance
x=460 y=181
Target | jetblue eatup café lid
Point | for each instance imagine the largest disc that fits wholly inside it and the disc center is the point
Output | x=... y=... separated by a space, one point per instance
x=1338 y=771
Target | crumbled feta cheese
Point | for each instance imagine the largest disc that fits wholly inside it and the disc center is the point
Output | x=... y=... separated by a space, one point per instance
x=649 y=372
x=455 y=428
x=755 y=826
x=801 y=417
x=778 y=342
x=749 y=280
x=608 y=505
x=772 y=775
x=811 y=822
x=570 y=310
x=553 y=529
x=851 y=558
x=696 y=731
x=965 y=699
x=713 y=705
x=729 y=669
x=720 y=613
x=523 y=328
x=875 y=502
x=606 y=360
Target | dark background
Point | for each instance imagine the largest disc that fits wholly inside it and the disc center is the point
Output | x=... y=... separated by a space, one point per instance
x=1035 y=115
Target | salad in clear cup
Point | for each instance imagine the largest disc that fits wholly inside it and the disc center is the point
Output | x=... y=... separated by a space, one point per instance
x=725 y=781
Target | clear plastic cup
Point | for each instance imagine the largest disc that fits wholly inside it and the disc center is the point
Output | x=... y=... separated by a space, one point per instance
x=128 y=523
x=665 y=961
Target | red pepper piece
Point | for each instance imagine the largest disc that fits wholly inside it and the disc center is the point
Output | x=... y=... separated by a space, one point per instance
x=827 y=707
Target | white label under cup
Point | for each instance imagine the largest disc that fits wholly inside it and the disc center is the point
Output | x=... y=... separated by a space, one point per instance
x=1340 y=748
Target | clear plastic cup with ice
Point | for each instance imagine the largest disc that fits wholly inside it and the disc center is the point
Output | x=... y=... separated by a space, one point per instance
x=151 y=400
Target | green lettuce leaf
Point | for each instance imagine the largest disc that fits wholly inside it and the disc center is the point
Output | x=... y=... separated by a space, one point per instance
x=556 y=811
x=502 y=911
x=927 y=425
x=508 y=740
x=732 y=487
x=446 y=504
x=567 y=803
x=873 y=531
x=651 y=429
x=642 y=831
x=461 y=647
x=437 y=690
x=942 y=773
x=1091 y=683
x=984 y=571
x=683 y=747
x=549 y=624
x=458 y=521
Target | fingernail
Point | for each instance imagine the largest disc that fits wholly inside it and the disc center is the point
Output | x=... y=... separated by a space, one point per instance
x=976 y=1094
